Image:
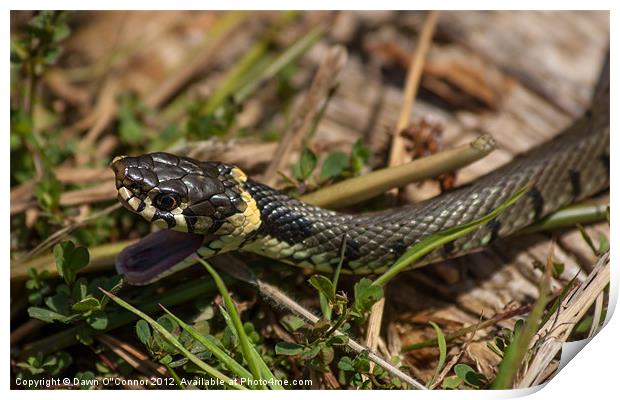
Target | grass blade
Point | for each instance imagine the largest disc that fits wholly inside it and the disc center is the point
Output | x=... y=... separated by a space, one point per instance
x=236 y=320
x=443 y=351
x=518 y=348
x=583 y=214
x=435 y=240
x=221 y=355
x=264 y=369
x=204 y=366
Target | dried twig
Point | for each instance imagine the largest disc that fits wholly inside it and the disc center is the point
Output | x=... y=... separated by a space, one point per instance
x=61 y=233
x=472 y=328
x=21 y=194
x=324 y=80
x=374 y=325
x=133 y=357
x=105 y=111
x=448 y=367
x=549 y=339
x=25 y=329
x=411 y=86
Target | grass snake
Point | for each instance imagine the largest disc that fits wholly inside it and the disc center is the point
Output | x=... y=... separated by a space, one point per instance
x=211 y=207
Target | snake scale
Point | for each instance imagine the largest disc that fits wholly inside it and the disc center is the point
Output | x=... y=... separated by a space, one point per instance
x=211 y=208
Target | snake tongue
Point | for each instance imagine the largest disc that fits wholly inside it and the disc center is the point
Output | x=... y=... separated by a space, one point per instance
x=159 y=251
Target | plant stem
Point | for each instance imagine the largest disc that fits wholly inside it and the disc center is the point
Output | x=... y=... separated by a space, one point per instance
x=585 y=213
x=358 y=189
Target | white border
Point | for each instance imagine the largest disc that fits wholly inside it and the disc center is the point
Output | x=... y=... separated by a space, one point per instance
x=591 y=374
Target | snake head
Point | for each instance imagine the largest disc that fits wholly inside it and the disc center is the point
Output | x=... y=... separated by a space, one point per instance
x=178 y=192
x=200 y=201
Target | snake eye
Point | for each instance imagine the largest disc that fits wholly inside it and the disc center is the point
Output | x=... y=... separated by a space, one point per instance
x=167 y=201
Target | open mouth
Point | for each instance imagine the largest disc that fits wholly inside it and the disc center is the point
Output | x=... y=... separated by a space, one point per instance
x=159 y=251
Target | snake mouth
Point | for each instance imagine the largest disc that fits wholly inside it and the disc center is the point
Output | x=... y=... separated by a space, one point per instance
x=155 y=254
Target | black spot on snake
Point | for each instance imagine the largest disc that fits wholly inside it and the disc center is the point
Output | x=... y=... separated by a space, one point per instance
x=166 y=217
x=399 y=247
x=352 y=250
x=448 y=248
x=575 y=182
x=494 y=225
x=190 y=219
x=537 y=201
x=217 y=224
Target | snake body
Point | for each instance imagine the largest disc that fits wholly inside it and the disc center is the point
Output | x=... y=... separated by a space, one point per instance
x=214 y=207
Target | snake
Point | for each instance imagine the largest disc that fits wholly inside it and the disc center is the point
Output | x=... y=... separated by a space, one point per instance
x=207 y=208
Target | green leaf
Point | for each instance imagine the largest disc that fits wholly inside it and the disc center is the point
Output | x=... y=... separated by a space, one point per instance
x=443 y=351
x=366 y=294
x=327 y=355
x=338 y=340
x=324 y=286
x=469 y=375
x=289 y=349
x=170 y=133
x=346 y=364
x=47 y=191
x=85 y=379
x=57 y=363
x=80 y=289
x=98 y=320
x=70 y=259
x=30 y=368
x=362 y=363
x=130 y=129
x=166 y=360
x=61 y=32
x=143 y=330
x=584 y=325
x=360 y=154
x=19 y=52
x=58 y=303
x=451 y=382
x=84 y=335
x=603 y=243
x=169 y=323
x=311 y=352
x=518 y=325
x=305 y=165
x=461 y=370
x=87 y=304
x=292 y=322
x=558 y=269
x=333 y=166
x=51 y=55
x=45 y=314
